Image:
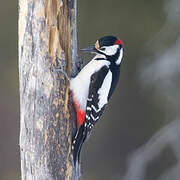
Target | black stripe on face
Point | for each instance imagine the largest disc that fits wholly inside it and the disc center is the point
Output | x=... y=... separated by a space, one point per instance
x=100 y=59
x=114 y=57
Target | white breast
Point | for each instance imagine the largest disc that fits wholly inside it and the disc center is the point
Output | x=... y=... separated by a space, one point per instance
x=80 y=84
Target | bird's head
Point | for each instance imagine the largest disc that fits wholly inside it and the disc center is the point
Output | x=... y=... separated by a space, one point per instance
x=109 y=46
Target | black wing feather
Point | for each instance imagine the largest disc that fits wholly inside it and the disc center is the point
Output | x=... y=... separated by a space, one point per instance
x=93 y=112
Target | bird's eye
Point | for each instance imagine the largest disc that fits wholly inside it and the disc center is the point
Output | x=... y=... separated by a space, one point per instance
x=102 y=49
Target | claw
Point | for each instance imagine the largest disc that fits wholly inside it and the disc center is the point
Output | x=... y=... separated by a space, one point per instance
x=63 y=72
x=80 y=64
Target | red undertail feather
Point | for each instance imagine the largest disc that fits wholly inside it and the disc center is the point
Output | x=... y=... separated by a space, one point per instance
x=80 y=114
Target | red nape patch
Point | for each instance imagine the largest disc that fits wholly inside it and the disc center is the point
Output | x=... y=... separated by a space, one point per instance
x=119 y=42
x=80 y=114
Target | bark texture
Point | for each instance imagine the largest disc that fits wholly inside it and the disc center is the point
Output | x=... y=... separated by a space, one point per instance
x=47 y=39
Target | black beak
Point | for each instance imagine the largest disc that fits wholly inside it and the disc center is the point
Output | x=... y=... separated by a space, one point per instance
x=90 y=49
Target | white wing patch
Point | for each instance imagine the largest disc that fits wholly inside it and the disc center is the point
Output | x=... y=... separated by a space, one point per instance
x=104 y=90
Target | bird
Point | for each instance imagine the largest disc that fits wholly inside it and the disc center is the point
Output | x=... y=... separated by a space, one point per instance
x=93 y=86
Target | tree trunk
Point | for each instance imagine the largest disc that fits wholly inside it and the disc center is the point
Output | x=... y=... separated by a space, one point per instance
x=47 y=40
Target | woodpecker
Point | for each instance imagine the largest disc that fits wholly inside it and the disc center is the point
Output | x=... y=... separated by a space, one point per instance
x=93 y=86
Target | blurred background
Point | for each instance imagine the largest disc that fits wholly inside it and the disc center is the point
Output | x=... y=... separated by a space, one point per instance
x=138 y=136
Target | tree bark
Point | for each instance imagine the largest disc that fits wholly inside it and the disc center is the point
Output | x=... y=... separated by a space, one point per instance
x=47 y=39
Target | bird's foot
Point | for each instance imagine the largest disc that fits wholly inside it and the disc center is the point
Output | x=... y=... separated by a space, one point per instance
x=80 y=64
x=59 y=69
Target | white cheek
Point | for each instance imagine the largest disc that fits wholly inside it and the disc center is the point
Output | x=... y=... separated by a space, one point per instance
x=111 y=50
x=120 y=57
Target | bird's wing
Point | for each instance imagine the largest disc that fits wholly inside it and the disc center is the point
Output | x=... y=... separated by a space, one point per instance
x=99 y=89
x=98 y=96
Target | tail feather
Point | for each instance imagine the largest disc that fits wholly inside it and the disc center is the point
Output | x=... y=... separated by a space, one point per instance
x=78 y=141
